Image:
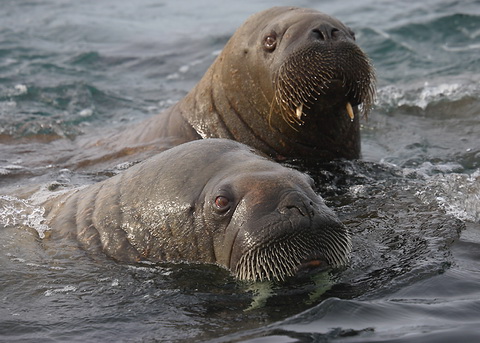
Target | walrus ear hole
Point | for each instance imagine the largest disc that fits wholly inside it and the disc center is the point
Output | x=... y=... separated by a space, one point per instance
x=270 y=41
x=310 y=181
x=222 y=203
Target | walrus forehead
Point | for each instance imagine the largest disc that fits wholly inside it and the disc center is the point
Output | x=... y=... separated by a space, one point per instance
x=266 y=187
x=305 y=21
x=244 y=167
x=290 y=19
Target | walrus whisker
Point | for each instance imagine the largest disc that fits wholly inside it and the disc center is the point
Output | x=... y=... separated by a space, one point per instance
x=336 y=259
x=273 y=104
x=303 y=78
x=281 y=259
x=280 y=101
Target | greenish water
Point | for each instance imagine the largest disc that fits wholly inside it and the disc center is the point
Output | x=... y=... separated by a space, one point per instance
x=73 y=69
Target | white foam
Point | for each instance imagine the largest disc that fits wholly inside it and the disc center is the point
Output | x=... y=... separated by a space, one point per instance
x=423 y=95
x=11 y=168
x=457 y=194
x=174 y=76
x=467 y=47
x=87 y=112
x=15 y=212
x=20 y=89
x=65 y=289
x=183 y=69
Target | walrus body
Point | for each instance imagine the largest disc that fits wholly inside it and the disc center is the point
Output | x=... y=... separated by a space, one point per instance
x=209 y=201
x=289 y=83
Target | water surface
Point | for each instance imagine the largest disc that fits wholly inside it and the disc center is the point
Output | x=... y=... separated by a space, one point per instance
x=73 y=70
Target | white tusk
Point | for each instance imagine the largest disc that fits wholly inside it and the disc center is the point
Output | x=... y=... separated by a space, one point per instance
x=349 y=111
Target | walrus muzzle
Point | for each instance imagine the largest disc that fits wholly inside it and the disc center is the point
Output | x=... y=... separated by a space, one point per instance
x=299 y=233
x=339 y=70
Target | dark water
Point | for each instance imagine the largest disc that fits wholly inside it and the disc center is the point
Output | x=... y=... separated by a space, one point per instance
x=73 y=69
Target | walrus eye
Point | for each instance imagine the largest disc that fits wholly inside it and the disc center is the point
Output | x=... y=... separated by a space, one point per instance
x=222 y=203
x=270 y=42
x=351 y=33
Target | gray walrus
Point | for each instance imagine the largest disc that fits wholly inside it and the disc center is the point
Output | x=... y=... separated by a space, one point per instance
x=289 y=83
x=210 y=201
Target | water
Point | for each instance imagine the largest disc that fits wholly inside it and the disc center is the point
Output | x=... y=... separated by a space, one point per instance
x=72 y=70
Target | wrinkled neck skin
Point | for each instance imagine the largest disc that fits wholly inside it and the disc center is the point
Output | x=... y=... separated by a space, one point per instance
x=236 y=99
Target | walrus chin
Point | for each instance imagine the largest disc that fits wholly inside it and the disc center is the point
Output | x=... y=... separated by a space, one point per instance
x=286 y=256
x=324 y=79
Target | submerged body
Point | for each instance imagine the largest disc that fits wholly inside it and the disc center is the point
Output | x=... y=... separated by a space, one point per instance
x=209 y=201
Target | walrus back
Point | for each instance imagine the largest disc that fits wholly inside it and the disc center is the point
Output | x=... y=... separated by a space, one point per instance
x=93 y=217
x=147 y=211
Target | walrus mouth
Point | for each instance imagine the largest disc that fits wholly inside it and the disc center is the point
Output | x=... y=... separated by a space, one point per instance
x=289 y=255
x=321 y=72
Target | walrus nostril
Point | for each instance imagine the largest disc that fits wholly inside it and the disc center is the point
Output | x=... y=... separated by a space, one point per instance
x=296 y=209
x=326 y=32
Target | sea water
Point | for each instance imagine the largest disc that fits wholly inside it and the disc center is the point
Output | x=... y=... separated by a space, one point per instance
x=70 y=68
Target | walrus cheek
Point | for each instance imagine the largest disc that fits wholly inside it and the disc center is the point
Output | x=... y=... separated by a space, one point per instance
x=224 y=245
x=223 y=233
x=229 y=241
x=253 y=75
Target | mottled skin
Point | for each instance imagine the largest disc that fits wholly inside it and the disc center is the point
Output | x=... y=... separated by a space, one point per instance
x=208 y=201
x=236 y=98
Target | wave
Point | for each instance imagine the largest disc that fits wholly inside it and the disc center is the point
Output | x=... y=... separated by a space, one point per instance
x=426 y=94
x=457 y=194
x=59 y=111
x=425 y=46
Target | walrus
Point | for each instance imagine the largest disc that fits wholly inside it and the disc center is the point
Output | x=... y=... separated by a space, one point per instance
x=207 y=201
x=291 y=82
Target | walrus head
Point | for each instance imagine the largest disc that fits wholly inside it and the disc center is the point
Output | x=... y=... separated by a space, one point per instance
x=324 y=71
x=268 y=223
x=291 y=82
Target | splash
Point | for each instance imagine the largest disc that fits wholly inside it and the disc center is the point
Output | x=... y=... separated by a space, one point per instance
x=457 y=194
x=18 y=212
x=64 y=290
x=425 y=95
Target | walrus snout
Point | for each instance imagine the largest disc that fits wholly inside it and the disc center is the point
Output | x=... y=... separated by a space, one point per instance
x=327 y=32
x=301 y=234
x=294 y=204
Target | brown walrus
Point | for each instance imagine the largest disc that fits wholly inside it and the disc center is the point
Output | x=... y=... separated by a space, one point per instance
x=210 y=201
x=289 y=83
